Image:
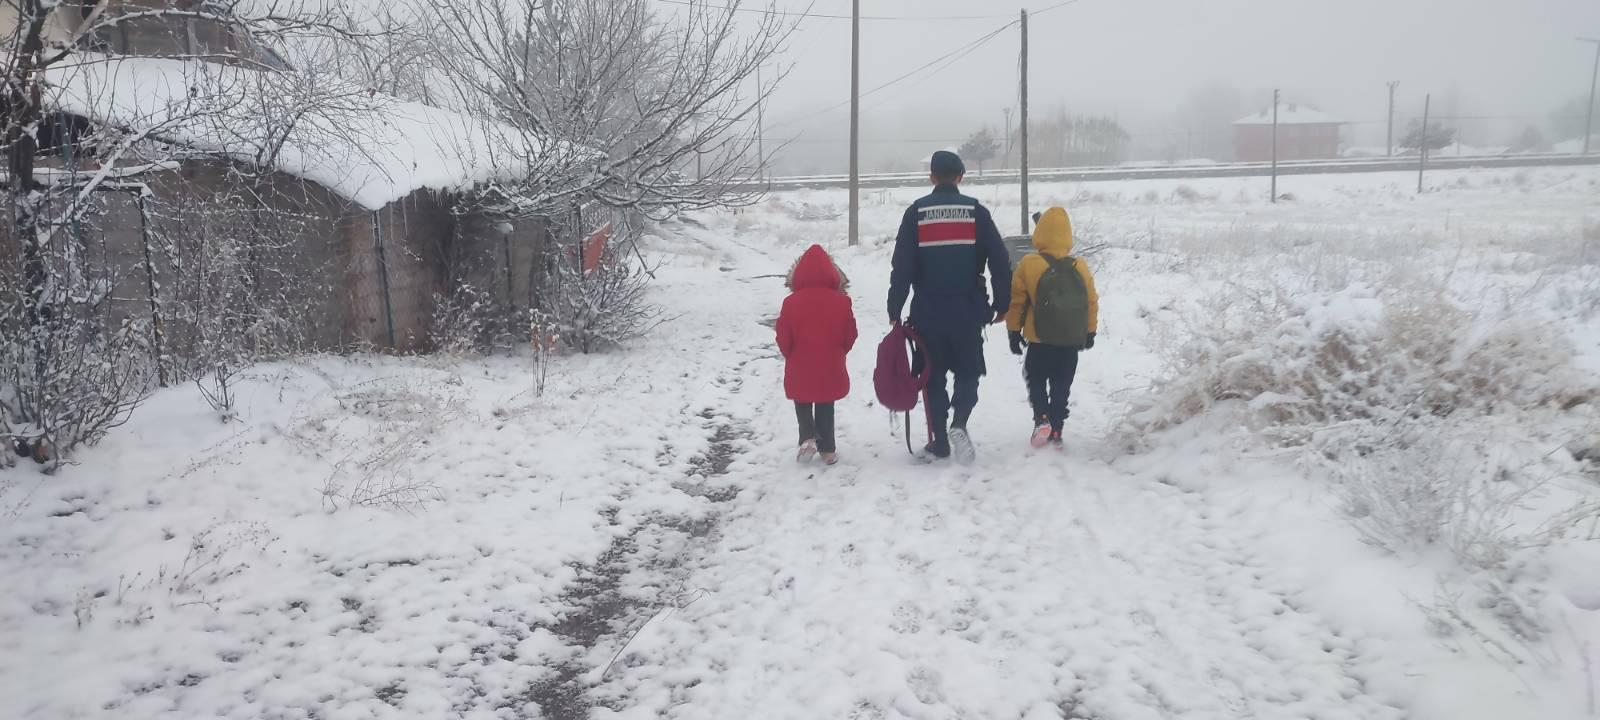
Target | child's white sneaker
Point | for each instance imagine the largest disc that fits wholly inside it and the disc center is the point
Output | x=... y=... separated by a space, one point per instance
x=830 y=458
x=808 y=450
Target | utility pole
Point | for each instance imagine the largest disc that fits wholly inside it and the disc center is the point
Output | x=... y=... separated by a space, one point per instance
x=855 y=122
x=1389 y=144
x=1023 y=129
x=1427 y=101
x=1274 y=145
x=761 y=124
x=1588 y=122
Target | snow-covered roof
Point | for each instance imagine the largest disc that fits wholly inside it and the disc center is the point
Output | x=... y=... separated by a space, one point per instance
x=366 y=146
x=1291 y=114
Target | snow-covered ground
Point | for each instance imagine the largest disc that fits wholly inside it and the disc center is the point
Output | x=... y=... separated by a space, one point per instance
x=636 y=542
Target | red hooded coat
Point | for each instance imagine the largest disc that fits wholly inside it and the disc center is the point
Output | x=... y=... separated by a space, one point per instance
x=816 y=330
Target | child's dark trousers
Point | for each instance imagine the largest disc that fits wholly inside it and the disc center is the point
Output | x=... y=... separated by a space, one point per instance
x=816 y=423
x=1050 y=370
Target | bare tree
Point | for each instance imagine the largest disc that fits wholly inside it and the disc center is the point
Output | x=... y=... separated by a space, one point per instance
x=619 y=104
x=394 y=56
x=1080 y=139
x=611 y=99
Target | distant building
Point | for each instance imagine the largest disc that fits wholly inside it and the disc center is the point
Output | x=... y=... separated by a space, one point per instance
x=1304 y=133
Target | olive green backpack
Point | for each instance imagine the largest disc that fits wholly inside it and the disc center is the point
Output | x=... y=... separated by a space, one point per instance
x=1061 y=304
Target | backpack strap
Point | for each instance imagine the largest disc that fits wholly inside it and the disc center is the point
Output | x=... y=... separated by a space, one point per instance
x=1055 y=263
x=918 y=350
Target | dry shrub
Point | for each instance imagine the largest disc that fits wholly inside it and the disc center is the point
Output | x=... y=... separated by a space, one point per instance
x=1435 y=424
x=1414 y=372
x=469 y=322
x=1465 y=484
x=1187 y=194
x=604 y=308
x=373 y=433
x=1302 y=362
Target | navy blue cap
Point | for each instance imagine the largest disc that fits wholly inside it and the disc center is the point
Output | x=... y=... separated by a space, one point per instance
x=946 y=164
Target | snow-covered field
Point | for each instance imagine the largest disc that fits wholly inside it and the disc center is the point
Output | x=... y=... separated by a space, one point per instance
x=636 y=542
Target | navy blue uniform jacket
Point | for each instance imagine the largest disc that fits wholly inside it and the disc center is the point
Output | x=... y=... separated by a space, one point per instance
x=946 y=239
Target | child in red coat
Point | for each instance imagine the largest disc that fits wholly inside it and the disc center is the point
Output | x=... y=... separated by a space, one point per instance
x=816 y=330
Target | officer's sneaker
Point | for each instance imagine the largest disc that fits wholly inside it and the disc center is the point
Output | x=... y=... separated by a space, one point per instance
x=961 y=446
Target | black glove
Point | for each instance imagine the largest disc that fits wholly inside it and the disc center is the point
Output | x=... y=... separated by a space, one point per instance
x=1088 y=343
x=1017 y=343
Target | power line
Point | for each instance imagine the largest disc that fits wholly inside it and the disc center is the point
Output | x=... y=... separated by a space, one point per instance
x=942 y=61
x=948 y=58
x=1057 y=6
x=825 y=16
x=807 y=14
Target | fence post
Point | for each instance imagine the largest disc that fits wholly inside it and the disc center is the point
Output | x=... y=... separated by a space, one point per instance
x=383 y=274
x=151 y=288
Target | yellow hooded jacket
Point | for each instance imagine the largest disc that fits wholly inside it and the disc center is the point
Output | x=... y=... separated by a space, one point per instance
x=1053 y=236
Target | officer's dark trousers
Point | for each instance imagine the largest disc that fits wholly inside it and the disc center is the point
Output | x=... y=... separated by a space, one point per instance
x=959 y=354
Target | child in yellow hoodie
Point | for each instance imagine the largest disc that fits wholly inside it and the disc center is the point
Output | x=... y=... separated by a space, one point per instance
x=1054 y=314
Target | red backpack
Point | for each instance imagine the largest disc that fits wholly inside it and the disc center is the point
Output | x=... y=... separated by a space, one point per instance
x=897 y=383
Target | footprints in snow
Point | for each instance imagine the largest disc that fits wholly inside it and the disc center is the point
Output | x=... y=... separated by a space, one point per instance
x=907 y=620
x=604 y=611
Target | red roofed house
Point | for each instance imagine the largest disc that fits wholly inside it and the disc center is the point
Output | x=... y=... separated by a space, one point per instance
x=1304 y=133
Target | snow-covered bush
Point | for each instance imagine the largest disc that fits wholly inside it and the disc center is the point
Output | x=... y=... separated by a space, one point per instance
x=606 y=306
x=1301 y=362
x=466 y=321
x=238 y=291
x=70 y=370
x=68 y=383
x=1435 y=425
x=1398 y=395
x=1464 y=484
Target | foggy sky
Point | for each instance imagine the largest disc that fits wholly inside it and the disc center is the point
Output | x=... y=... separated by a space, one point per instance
x=1138 y=59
